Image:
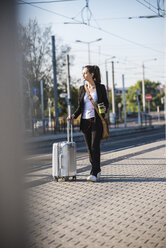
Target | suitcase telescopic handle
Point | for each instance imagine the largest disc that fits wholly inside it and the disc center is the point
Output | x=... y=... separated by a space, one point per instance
x=69 y=131
x=60 y=161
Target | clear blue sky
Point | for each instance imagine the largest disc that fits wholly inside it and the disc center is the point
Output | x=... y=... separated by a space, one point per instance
x=132 y=41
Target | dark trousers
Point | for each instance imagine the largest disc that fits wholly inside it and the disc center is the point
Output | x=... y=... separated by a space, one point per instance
x=92 y=131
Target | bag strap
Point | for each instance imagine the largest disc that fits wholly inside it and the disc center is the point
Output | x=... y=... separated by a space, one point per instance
x=91 y=99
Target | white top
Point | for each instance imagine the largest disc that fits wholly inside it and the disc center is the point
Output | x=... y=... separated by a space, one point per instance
x=88 y=106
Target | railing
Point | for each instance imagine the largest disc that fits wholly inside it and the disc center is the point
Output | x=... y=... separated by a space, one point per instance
x=49 y=127
x=146 y=119
x=46 y=126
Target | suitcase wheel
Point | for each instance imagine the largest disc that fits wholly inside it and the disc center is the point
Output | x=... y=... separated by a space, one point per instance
x=55 y=179
x=74 y=178
x=66 y=179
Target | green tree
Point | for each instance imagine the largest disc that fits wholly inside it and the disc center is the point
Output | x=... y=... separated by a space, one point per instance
x=37 y=62
x=150 y=88
x=118 y=99
x=131 y=97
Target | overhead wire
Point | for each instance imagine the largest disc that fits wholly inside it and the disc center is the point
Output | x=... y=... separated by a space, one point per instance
x=94 y=27
x=130 y=17
x=88 y=12
x=133 y=42
x=95 y=20
x=123 y=18
x=150 y=4
x=161 y=9
x=76 y=15
x=46 y=2
x=158 y=8
x=47 y=10
x=146 y=6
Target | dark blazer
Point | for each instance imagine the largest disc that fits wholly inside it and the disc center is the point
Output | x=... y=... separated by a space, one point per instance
x=101 y=96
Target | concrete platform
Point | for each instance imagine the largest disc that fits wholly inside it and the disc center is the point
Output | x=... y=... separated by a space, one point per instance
x=127 y=208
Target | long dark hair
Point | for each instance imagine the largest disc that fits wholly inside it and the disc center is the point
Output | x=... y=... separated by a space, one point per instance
x=96 y=70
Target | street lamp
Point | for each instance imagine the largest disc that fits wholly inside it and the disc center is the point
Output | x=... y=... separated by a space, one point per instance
x=88 y=43
x=143 y=83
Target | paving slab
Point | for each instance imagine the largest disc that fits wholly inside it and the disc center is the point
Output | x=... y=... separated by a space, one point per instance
x=126 y=208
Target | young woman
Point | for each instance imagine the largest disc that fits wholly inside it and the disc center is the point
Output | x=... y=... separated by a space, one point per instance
x=90 y=123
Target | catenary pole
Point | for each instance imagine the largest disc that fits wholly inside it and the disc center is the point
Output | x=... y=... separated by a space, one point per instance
x=55 y=82
x=143 y=88
x=139 y=111
x=113 y=89
x=124 y=101
x=108 y=111
x=42 y=104
x=30 y=104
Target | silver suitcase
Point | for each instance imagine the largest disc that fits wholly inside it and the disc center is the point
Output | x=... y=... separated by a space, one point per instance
x=64 y=159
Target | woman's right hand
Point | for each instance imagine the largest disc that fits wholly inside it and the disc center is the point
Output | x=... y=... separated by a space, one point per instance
x=69 y=118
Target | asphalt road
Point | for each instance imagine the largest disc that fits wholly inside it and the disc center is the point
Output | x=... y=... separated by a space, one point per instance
x=39 y=155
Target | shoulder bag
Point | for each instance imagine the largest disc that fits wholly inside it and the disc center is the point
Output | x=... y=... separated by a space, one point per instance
x=105 y=133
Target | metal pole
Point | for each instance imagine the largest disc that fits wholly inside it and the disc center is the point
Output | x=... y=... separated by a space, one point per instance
x=149 y=107
x=22 y=102
x=158 y=111
x=30 y=112
x=55 y=83
x=49 y=112
x=143 y=88
x=124 y=101
x=108 y=111
x=69 y=126
x=42 y=104
x=139 y=114
x=165 y=111
x=30 y=105
x=113 y=90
